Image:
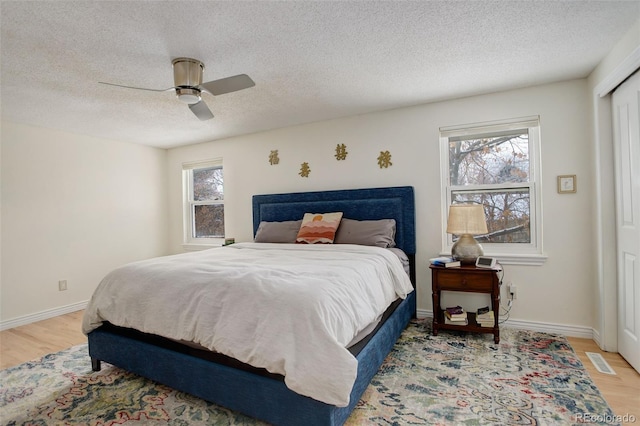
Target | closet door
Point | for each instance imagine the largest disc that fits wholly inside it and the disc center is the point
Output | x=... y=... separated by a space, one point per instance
x=626 y=127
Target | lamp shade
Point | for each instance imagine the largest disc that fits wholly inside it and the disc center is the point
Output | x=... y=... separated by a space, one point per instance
x=466 y=219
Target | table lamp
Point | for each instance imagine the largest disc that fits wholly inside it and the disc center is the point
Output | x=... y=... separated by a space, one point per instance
x=466 y=220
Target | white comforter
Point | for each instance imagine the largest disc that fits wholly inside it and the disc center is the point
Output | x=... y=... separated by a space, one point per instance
x=288 y=308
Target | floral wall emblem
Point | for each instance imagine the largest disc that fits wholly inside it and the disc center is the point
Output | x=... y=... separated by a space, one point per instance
x=384 y=159
x=341 y=152
x=304 y=169
x=273 y=157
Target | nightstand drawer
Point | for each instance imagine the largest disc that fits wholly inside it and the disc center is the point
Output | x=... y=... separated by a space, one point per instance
x=455 y=280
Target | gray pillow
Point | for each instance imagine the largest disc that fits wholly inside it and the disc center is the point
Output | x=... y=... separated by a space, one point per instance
x=380 y=233
x=278 y=232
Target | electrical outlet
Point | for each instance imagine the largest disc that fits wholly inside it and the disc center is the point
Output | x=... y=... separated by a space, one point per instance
x=62 y=285
x=513 y=291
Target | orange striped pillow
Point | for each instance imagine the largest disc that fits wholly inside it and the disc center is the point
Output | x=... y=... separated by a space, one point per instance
x=318 y=228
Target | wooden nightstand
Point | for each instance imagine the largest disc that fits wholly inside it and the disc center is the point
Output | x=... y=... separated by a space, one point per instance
x=469 y=279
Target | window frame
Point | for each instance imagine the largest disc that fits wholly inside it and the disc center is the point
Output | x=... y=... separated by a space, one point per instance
x=190 y=242
x=507 y=253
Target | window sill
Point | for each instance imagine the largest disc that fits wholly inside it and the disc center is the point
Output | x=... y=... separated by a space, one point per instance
x=519 y=259
x=198 y=247
x=514 y=259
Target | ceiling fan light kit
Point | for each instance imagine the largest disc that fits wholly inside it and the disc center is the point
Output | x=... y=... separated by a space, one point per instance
x=187 y=95
x=187 y=77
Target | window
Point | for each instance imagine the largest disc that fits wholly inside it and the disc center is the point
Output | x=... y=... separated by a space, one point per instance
x=497 y=165
x=203 y=195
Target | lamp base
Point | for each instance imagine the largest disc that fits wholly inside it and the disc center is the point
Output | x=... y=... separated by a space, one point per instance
x=466 y=250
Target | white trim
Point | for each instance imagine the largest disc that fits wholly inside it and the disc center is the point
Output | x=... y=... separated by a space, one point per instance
x=543 y=327
x=566 y=330
x=202 y=164
x=606 y=271
x=490 y=126
x=43 y=315
x=519 y=259
x=191 y=243
x=198 y=247
x=596 y=338
x=445 y=195
x=607 y=335
x=424 y=313
x=513 y=258
x=627 y=67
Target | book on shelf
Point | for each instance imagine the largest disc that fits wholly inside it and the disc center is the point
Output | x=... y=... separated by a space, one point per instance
x=481 y=311
x=446 y=261
x=447 y=320
x=485 y=316
x=454 y=309
x=485 y=319
x=455 y=313
x=456 y=317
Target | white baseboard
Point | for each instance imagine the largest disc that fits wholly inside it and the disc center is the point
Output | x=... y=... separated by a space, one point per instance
x=596 y=338
x=43 y=315
x=423 y=313
x=565 y=330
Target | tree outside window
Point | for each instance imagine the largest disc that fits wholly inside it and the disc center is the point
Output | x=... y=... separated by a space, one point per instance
x=208 y=197
x=203 y=198
x=491 y=170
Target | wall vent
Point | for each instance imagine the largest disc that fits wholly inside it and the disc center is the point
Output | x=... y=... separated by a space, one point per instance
x=600 y=363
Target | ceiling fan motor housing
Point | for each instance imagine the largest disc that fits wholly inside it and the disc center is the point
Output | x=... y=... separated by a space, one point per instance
x=187 y=76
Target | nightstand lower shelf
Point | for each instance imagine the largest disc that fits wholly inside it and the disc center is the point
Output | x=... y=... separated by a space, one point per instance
x=471 y=325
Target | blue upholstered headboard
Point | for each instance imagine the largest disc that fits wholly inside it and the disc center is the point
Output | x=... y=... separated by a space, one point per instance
x=361 y=204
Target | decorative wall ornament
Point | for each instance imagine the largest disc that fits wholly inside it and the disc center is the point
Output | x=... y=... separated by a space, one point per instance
x=384 y=159
x=304 y=169
x=567 y=184
x=273 y=157
x=341 y=152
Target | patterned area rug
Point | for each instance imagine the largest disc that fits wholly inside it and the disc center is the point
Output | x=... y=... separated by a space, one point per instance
x=530 y=378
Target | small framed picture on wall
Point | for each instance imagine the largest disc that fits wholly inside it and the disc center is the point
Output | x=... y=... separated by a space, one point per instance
x=567 y=184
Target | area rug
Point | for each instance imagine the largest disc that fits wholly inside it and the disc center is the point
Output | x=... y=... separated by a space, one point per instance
x=530 y=378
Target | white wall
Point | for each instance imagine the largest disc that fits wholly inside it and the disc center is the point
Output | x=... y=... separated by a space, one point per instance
x=559 y=292
x=99 y=204
x=73 y=208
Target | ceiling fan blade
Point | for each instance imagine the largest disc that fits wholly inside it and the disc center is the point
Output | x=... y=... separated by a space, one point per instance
x=228 y=85
x=201 y=110
x=138 y=88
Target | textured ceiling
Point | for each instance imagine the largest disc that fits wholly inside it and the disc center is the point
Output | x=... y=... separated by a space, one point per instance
x=310 y=60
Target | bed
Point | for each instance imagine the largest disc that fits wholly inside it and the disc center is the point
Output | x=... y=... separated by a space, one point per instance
x=253 y=391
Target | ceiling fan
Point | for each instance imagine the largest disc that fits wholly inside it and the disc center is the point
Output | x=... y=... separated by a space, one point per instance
x=187 y=77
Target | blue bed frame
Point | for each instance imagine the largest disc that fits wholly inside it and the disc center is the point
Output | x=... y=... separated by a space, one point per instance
x=261 y=397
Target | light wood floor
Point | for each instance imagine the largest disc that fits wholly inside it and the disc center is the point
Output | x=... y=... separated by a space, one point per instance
x=32 y=341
